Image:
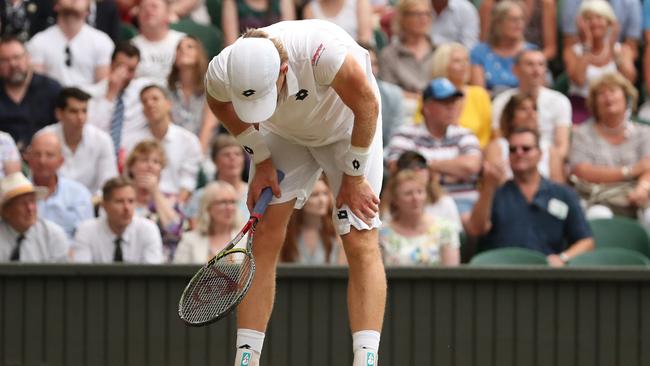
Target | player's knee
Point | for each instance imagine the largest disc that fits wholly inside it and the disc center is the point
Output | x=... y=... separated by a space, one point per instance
x=363 y=253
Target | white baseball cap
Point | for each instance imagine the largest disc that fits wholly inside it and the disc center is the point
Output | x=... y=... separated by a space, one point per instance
x=253 y=69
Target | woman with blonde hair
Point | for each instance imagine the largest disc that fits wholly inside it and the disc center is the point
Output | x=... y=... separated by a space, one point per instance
x=598 y=53
x=451 y=61
x=187 y=91
x=610 y=155
x=492 y=60
x=413 y=237
x=217 y=224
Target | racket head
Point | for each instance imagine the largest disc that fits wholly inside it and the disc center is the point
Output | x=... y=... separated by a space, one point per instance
x=217 y=288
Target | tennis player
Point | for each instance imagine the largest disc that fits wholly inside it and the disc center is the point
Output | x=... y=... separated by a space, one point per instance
x=310 y=87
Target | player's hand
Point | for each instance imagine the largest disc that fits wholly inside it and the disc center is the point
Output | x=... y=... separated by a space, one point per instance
x=359 y=196
x=265 y=176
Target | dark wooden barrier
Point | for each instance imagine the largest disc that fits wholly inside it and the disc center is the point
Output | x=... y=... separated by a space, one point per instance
x=126 y=315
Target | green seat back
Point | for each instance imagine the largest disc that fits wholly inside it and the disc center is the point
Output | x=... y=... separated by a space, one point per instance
x=127 y=31
x=509 y=257
x=621 y=232
x=610 y=257
x=210 y=36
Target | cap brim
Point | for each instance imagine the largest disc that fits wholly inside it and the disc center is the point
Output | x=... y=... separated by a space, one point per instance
x=41 y=192
x=256 y=110
x=446 y=96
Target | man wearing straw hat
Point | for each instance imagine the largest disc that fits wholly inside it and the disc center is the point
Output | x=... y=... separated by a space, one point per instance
x=24 y=237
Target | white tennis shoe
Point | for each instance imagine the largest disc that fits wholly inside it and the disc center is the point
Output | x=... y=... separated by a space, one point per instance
x=247 y=357
x=365 y=357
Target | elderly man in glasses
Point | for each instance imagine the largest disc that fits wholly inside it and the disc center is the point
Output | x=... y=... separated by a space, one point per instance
x=529 y=211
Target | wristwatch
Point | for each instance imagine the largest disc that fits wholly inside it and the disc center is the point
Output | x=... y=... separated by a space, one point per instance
x=565 y=258
x=625 y=170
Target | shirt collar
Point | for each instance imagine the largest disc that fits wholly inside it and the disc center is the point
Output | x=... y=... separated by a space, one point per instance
x=125 y=235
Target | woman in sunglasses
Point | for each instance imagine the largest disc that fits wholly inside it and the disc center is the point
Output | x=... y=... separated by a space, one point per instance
x=521 y=112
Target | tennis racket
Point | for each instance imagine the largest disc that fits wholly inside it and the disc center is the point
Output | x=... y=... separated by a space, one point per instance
x=220 y=285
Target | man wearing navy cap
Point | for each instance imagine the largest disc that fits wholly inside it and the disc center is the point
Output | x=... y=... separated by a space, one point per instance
x=453 y=153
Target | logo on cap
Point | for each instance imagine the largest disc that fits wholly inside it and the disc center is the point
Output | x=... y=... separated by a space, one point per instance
x=248 y=93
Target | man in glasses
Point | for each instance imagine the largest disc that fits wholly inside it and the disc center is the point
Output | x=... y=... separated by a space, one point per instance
x=529 y=211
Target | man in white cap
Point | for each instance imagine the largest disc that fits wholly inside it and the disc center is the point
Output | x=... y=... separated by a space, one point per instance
x=311 y=88
x=24 y=237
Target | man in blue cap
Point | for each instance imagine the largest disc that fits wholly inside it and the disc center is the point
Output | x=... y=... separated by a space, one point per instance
x=453 y=153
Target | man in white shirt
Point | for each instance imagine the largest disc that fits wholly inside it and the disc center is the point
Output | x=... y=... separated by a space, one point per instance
x=88 y=155
x=311 y=88
x=71 y=51
x=25 y=237
x=553 y=108
x=182 y=147
x=156 y=41
x=115 y=107
x=454 y=21
x=119 y=236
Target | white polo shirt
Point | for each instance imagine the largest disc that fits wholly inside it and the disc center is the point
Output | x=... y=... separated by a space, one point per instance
x=45 y=242
x=309 y=112
x=89 y=49
x=95 y=242
x=183 y=155
x=93 y=163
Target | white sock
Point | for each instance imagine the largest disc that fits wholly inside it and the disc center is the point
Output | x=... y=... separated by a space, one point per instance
x=368 y=339
x=250 y=338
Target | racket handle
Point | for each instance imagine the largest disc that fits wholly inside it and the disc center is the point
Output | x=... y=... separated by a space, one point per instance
x=266 y=197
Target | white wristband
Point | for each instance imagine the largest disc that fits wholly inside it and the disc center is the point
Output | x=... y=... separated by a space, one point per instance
x=253 y=142
x=355 y=161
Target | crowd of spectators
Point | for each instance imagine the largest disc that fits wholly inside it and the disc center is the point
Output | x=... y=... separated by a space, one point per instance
x=505 y=122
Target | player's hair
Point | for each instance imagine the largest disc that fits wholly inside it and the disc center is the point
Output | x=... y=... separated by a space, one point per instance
x=327 y=233
x=199 y=68
x=256 y=33
x=441 y=58
x=114 y=184
x=144 y=149
x=65 y=94
x=204 y=221
x=508 y=114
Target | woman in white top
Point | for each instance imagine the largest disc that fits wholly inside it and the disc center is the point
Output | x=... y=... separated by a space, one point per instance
x=598 y=53
x=351 y=15
x=217 y=225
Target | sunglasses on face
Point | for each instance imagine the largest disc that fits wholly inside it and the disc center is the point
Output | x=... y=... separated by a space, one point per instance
x=68 y=56
x=523 y=148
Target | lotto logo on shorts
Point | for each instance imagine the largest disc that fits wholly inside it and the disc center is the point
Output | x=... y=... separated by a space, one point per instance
x=245 y=359
x=370 y=359
x=342 y=215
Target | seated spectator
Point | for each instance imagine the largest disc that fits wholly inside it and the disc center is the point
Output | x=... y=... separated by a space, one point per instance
x=451 y=61
x=182 y=148
x=71 y=51
x=311 y=237
x=352 y=15
x=541 y=23
x=228 y=156
x=157 y=42
x=144 y=167
x=452 y=152
x=413 y=236
x=24 y=18
x=239 y=16
x=24 y=236
x=10 y=161
x=67 y=202
x=185 y=82
x=218 y=223
x=454 y=21
x=493 y=59
x=553 y=108
x=115 y=107
x=118 y=236
x=628 y=13
x=521 y=112
x=529 y=211
x=26 y=98
x=598 y=53
x=406 y=61
x=88 y=156
x=195 y=10
x=610 y=155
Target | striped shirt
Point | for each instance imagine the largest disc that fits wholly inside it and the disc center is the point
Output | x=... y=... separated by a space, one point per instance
x=458 y=141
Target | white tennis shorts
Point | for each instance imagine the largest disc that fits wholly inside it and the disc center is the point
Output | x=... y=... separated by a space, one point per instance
x=303 y=165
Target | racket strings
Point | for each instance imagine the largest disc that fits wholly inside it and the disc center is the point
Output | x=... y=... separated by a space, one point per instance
x=219 y=287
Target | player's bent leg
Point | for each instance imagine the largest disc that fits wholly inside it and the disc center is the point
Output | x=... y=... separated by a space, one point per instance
x=255 y=309
x=366 y=293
